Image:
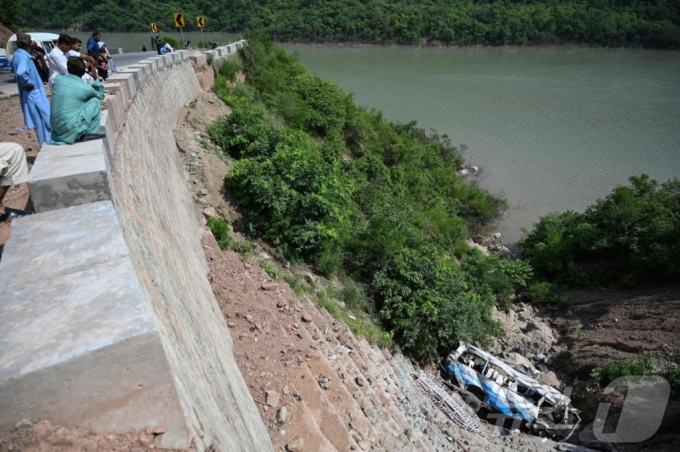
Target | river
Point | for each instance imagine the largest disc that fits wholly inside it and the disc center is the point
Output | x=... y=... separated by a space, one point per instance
x=552 y=129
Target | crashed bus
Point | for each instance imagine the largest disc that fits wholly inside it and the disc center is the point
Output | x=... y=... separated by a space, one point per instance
x=512 y=392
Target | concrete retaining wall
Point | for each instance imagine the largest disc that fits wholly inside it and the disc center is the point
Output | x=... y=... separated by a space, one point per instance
x=112 y=322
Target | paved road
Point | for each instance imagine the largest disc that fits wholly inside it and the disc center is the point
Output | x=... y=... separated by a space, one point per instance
x=9 y=87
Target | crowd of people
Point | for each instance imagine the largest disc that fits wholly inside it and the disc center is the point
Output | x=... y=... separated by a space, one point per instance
x=73 y=115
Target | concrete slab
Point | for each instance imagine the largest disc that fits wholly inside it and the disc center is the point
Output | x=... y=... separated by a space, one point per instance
x=107 y=128
x=160 y=62
x=116 y=106
x=78 y=341
x=168 y=60
x=139 y=74
x=183 y=55
x=146 y=68
x=128 y=82
x=152 y=62
x=65 y=176
x=199 y=59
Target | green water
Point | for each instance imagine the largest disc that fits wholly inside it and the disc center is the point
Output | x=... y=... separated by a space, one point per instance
x=551 y=129
x=132 y=42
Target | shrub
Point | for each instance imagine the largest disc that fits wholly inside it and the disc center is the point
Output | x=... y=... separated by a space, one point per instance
x=220 y=229
x=269 y=269
x=602 y=376
x=519 y=272
x=673 y=377
x=230 y=68
x=175 y=44
x=543 y=292
x=209 y=59
x=631 y=236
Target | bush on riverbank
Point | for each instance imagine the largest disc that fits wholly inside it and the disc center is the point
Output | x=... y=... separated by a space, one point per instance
x=337 y=186
x=631 y=237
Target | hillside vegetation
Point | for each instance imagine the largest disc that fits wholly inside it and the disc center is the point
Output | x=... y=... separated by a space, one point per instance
x=629 y=238
x=338 y=187
x=654 y=23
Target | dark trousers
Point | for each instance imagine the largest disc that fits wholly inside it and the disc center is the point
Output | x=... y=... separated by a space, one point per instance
x=159 y=50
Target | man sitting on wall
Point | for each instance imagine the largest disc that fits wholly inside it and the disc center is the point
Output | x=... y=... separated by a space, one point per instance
x=76 y=110
x=13 y=171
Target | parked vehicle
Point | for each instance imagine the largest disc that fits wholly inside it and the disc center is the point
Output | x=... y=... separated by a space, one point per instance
x=4 y=62
x=47 y=41
x=511 y=391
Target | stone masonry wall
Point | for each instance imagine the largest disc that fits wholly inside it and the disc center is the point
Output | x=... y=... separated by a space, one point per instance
x=160 y=228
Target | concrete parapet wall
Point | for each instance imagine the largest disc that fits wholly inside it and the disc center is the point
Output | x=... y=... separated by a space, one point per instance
x=120 y=284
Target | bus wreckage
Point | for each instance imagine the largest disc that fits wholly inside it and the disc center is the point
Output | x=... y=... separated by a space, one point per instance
x=512 y=392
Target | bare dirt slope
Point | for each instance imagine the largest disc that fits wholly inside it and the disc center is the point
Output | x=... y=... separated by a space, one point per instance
x=601 y=326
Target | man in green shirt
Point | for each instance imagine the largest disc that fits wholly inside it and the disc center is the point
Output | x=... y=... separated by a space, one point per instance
x=76 y=108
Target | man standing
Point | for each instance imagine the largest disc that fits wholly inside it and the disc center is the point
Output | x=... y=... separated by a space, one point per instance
x=58 y=56
x=38 y=55
x=32 y=96
x=76 y=107
x=159 y=44
x=13 y=171
x=93 y=43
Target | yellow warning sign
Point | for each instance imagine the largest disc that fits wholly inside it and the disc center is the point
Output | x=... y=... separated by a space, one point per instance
x=154 y=28
x=179 y=20
x=200 y=21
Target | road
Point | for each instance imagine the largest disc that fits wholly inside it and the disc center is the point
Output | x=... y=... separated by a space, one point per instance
x=9 y=87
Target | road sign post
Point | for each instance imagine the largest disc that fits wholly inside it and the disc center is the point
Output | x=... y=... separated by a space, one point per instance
x=200 y=21
x=179 y=23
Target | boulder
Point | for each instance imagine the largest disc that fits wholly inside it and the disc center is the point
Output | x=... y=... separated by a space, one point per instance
x=549 y=378
x=296 y=445
x=515 y=360
x=282 y=415
x=272 y=398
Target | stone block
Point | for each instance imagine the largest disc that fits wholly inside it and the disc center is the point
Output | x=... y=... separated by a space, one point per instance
x=152 y=62
x=115 y=105
x=199 y=59
x=168 y=60
x=79 y=345
x=232 y=48
x=183 y=55
x=146 y=68
x=65 y=176
x=160 y=62
x=129 y=85
x=106 y=127
x=139 y=75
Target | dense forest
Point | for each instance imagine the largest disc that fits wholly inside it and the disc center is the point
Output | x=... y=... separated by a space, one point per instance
x=653 y=23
